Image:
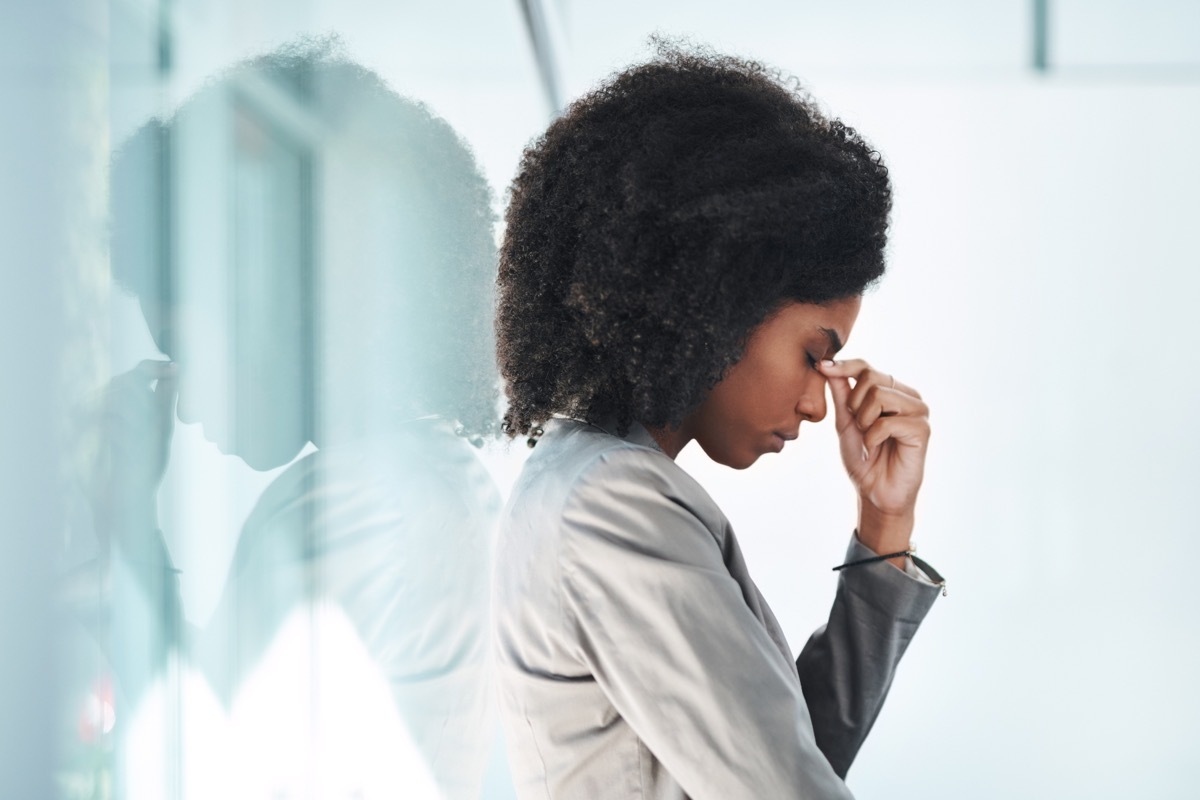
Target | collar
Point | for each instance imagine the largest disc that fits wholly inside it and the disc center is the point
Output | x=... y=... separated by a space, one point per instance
x=637 y=432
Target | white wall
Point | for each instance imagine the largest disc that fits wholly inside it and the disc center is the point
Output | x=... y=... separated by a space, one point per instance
x=1040 y=296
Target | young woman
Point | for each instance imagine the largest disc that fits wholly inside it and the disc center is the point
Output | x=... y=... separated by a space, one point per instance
x=685 y=253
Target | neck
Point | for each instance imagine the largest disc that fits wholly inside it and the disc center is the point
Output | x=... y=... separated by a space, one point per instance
x=671 y=441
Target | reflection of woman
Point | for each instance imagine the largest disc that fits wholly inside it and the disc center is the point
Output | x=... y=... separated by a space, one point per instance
x=370 y=341
x=686 y=247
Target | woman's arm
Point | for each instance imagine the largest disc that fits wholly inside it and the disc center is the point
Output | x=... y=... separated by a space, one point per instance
x=846 y=667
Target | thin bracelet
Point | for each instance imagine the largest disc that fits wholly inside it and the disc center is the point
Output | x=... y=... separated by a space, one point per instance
x=873 y=559
x=932 y=573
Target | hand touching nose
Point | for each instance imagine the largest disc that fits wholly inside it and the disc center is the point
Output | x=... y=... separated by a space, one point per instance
x=883 y=430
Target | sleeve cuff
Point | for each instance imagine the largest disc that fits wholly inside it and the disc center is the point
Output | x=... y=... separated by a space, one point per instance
x=907 y=594
x=913 y=571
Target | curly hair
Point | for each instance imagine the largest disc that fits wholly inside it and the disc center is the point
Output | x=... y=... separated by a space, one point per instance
x=659 y=221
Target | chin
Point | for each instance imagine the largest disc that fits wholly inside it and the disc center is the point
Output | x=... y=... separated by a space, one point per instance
x=263 y=459
x=734 y=459
x=741 y=464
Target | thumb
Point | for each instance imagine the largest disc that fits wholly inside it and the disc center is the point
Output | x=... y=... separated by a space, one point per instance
x=166 y=388
x=839 y=387
x=164 y=375
x=150 y=370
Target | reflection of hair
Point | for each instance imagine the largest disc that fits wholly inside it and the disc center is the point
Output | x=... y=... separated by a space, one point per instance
x=417 y=313
x=659 y=221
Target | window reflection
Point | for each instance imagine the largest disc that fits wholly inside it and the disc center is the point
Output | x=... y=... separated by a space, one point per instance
x=313 y=257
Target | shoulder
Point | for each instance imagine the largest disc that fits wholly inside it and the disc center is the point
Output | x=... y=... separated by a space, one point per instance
x=587 y=461
x=599 y=528
x=603 y=491
x=415 y=488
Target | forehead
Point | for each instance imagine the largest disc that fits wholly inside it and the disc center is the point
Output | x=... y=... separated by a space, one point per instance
x=832 y=320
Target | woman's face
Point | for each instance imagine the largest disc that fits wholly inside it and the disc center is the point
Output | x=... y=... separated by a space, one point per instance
x=243 y=384
x=764 y=397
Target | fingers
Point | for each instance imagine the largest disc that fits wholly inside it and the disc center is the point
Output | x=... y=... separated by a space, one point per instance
x=880 y=401
x=864 y=373
x=165 y=392
x=905 y=431
x=136 y=410
x=873 y=395
x=141 y=377
x=151 y=370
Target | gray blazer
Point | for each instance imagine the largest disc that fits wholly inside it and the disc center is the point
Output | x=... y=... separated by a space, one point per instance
x=637 y=659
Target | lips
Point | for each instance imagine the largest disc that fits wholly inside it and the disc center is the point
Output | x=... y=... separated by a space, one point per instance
x=779 y=439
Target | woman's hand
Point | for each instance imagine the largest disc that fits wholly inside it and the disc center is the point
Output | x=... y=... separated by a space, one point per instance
x=133 y=419
x=883 y=428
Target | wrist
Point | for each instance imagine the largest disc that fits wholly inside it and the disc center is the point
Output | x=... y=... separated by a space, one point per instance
x=883 y=532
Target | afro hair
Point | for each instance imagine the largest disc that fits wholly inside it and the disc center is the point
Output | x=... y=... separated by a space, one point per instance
x=659 y=221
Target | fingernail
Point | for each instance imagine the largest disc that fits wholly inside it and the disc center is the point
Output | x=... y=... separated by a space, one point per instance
x=825 y=362
x=864 y=452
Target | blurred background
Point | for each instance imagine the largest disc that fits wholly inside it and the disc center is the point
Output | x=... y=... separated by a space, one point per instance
x=214 y=212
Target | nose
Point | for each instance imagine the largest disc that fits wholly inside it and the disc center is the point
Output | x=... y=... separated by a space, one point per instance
x=811 y=405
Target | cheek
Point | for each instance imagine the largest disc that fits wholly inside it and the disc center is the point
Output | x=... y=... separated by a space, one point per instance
x=731 y=427
x=748 y=395
x=771 y=392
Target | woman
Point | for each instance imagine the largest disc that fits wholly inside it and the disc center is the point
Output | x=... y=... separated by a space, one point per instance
x=685 y=252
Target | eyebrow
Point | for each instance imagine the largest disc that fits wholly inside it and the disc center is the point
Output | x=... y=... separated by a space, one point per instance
x=835 y=341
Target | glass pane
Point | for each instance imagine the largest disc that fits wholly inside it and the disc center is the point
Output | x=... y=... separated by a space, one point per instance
x=283 y=559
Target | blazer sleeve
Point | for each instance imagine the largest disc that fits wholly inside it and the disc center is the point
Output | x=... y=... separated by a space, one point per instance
x=846 y=667
x=671 y=640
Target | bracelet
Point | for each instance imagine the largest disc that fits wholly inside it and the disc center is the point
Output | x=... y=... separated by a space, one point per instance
x=873 y=559
x=933 y=574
